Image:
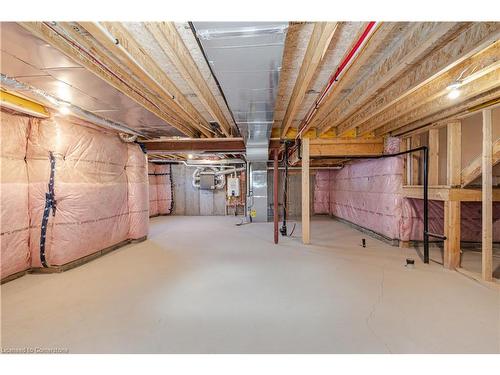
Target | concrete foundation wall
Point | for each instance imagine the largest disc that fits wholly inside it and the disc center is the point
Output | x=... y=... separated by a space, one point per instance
x=294 y=193
x=190 y=201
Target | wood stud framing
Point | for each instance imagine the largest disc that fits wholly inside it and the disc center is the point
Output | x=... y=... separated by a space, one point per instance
x=487 y=195
x=306 y=235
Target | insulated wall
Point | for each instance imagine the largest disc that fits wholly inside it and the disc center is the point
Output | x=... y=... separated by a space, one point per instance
x=138 y=196
x=160 y=189
x=68 y=190
x=90 y=187
x=367 y=193
x=322 y=192
x=14 y=237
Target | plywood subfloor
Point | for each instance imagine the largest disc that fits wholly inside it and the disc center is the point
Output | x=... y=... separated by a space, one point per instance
x=204 y=285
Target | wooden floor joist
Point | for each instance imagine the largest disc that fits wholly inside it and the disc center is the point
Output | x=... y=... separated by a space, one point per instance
x=174 y=48
x=318 y=43
x=474 y=39
x=143 y=65
x=415 y=43
x=118 y=81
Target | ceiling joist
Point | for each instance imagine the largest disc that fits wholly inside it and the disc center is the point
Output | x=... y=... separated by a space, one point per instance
x=174 y=48
x=318 y=44
x=143 y=65
x=415 y=43
x=111 y=75
x=433 y=97
x=472 y=40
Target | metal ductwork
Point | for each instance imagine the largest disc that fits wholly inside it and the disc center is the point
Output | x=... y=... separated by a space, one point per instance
x=246 y=59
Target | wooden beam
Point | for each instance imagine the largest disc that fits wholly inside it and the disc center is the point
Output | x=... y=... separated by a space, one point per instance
x=415 y=43
x=141 y=63
x=434 y=157
x=109 y=75
x=306 y=236
x=195 y=145
x=318 y=44
x=473 y=170
x=433 y=97
x=174 y=48
x=346 y=147
x=446 y=193
x=487 y=196
x=454 y=154
x=477 y=37
x=452 y=233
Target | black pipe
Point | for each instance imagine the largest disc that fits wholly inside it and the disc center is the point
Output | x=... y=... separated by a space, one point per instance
x=440 y=236
x=283 y=229
x=425 y=149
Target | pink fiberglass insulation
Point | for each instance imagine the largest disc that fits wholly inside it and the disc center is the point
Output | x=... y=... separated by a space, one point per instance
x=322 y=192
x=90 y=188
x=138 y=195
x=14 y=238
x=367 y=193
x=163 y=188
x=153 y=192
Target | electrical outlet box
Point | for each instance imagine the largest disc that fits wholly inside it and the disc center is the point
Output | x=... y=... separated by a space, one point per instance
x=233 y=187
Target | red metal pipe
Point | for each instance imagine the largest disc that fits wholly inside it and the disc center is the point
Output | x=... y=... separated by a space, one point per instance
x=335 y=76
x=275 y=198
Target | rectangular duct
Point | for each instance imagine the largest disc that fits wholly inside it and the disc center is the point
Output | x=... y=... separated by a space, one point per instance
x=246 y=59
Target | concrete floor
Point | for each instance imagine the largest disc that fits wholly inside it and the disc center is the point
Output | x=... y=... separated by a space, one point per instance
x=204 y=285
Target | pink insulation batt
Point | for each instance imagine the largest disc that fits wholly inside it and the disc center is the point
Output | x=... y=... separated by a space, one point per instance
x=163 y=188
x=367 y=193
x=322 y=192
x=153 y=192
x=90 y=190
x=138 y=195
x=14 y=238
x=160 y=189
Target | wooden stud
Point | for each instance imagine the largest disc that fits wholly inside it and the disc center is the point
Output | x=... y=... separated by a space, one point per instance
x=487 y=192
x=454 y=154
x=408 y=162
x=452 y=233
x=415 y=160
x=433 y=157
x=306 y=239
x=318 y=43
